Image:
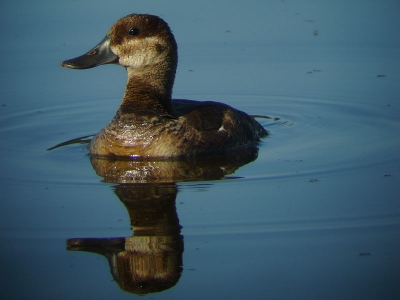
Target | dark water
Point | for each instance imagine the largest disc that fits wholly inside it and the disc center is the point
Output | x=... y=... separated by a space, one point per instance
x=315 y=216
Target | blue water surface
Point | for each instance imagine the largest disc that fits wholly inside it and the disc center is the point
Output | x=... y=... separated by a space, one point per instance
x=315 y=216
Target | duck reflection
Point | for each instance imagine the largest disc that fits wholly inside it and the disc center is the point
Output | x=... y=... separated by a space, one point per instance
x=151 y=259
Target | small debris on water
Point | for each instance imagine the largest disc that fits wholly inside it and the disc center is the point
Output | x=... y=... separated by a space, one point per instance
x=296 y=160
x=313 y=71
x=313 y=180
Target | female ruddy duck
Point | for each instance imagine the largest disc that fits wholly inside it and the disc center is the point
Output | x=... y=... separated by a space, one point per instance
x=149 y=123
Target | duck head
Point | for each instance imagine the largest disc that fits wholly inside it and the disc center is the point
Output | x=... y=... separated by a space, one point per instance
x=134 y=41
x=146 y=47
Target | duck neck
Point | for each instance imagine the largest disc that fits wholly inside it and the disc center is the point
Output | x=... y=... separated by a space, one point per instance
x=148 y=91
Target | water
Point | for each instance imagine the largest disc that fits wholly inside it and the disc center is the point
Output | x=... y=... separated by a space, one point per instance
x=316 y=215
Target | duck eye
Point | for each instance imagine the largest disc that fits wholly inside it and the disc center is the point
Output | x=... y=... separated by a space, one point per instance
x=134 y=31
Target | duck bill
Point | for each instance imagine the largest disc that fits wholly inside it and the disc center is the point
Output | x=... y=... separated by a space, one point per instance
x=99 y=55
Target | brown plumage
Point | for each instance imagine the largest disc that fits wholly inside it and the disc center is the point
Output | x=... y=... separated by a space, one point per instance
x=149 y=123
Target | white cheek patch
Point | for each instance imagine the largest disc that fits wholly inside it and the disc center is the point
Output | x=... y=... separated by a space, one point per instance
x=142 y=52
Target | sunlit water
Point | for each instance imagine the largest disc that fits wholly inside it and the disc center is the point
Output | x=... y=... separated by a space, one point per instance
x=315 y=216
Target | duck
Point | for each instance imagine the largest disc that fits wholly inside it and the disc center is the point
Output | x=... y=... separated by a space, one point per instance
x=149 y=123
